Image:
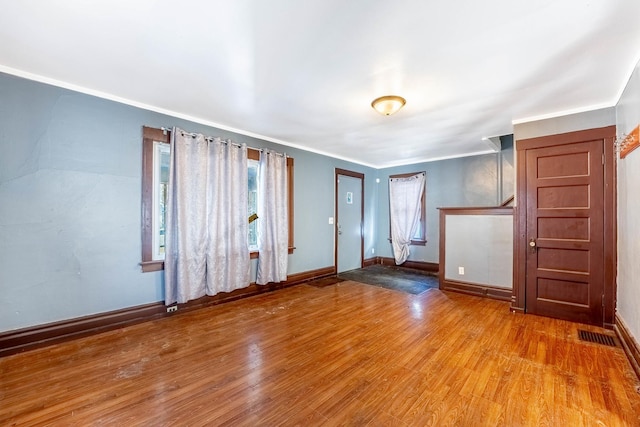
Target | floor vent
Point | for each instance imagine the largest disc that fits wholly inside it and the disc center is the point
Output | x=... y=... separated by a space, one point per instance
x=597 y=338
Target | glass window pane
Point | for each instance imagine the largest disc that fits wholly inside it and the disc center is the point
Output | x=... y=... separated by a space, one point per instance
x=161 y=156
x=253 y=203
x=418 y=233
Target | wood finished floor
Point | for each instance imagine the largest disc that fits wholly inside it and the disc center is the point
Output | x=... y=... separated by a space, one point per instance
x=346 y=354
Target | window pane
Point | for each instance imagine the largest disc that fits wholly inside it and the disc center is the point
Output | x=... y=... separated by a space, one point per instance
x=253 y=203
x=160 y=183
x=418 y=233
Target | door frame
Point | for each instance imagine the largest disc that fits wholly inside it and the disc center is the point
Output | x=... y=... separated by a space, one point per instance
x=607 y=135
x=360 y=176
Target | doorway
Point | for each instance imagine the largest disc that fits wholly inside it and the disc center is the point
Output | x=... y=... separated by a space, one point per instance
x=349 y=238
x=565 y=244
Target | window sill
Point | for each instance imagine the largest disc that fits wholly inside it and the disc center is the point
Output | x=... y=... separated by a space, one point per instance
x=256 y=254
x=149 y=266
x=414 y=242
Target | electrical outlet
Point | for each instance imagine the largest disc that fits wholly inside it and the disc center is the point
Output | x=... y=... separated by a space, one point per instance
x=461 y=271
x=172 y=309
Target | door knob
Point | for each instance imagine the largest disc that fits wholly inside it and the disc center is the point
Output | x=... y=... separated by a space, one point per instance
x=532 y=244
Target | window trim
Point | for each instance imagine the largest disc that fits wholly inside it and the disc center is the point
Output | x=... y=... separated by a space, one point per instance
x=149 y=135
x=423 y=217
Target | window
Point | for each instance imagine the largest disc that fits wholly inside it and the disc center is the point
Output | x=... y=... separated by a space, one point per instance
x=159 y=197
x=420 y=237
x=155 y=177
x=253 y=166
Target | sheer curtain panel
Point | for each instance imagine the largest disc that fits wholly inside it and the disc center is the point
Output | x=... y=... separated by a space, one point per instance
x=206 y=224
x=273 y=214
x=404 y=211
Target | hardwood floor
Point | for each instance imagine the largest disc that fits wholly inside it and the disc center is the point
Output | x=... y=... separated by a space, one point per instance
x=345 y=354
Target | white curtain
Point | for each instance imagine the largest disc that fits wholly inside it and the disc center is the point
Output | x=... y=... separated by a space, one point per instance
x=273 y=218
x=404 y=210
x=206 y=220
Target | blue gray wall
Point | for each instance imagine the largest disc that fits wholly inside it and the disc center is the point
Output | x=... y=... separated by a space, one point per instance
x=70 y=204
x=483 y=246
x=506 y=174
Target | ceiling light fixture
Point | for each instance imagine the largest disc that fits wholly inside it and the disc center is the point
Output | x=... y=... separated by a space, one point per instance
x=388 y=105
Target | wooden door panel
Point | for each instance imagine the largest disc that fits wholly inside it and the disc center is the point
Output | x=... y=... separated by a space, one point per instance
x=565 y=188
x=565 y=260
x=571 y=229
x=563 y=291
x=574 y=164
x=564 y=197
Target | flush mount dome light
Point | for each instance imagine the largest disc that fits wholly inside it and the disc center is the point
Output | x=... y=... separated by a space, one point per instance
x=389 y=104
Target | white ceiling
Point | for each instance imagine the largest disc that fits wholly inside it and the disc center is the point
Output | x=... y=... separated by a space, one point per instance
x=304 y=73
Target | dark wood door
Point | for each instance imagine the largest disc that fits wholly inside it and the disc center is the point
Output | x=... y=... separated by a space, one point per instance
x=565 y=231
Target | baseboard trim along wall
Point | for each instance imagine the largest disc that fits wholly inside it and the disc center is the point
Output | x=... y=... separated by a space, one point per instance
x=429 y=267
x=629 y=344
x=370 y=261
x=51 y=333
x=20 y=340
x=486 y=291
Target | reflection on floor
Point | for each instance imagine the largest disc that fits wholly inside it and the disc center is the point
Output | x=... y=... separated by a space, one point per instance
x=398 y=278
x=350 y=354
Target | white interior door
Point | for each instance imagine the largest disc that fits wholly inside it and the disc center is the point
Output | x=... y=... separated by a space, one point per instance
x=349 y=222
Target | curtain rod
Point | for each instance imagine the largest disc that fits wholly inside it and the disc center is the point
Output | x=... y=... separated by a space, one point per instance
x=228 y=141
